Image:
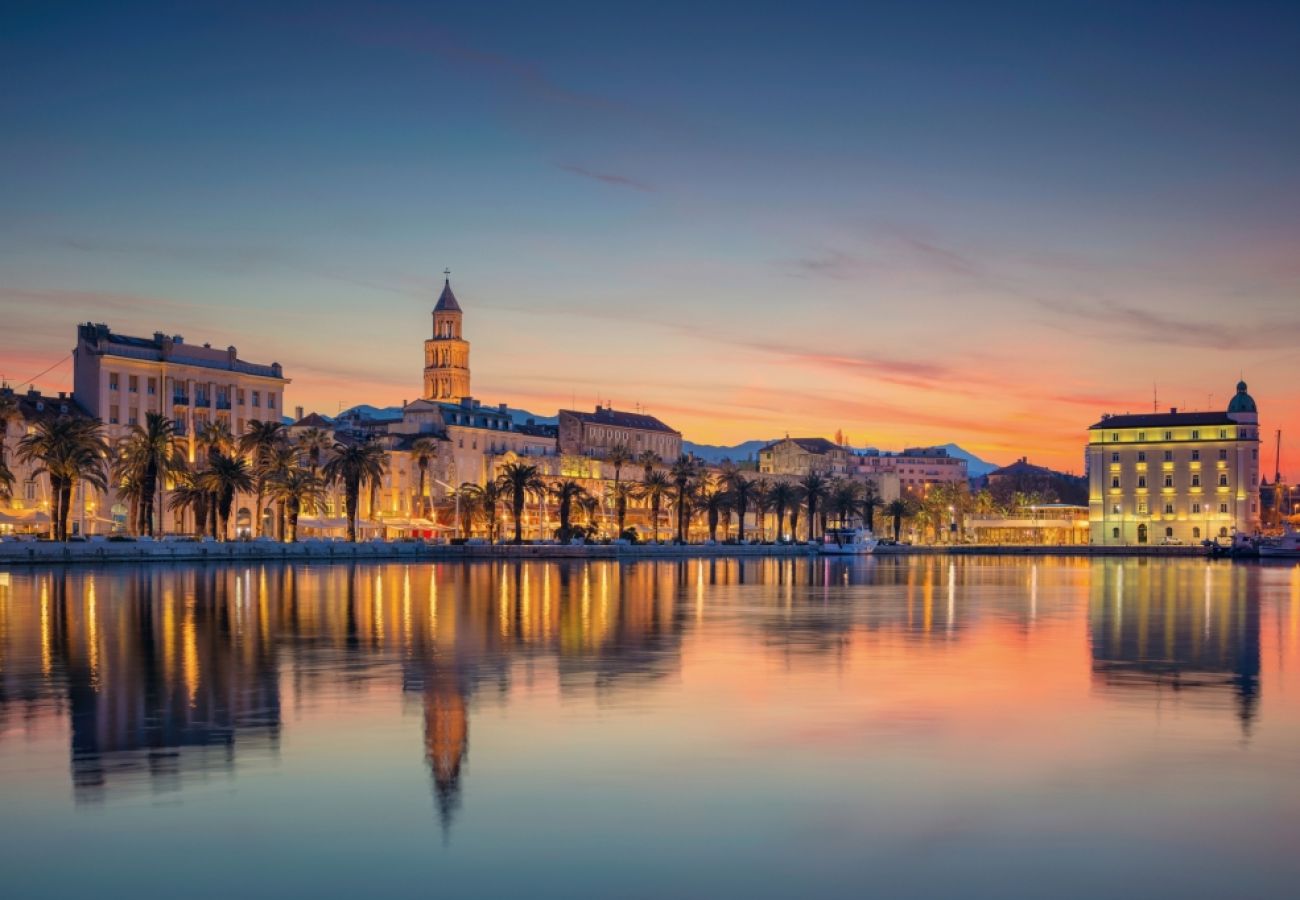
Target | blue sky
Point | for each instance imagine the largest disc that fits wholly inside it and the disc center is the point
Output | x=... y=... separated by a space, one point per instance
x=911 y=221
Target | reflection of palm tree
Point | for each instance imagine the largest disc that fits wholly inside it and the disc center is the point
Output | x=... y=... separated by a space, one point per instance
x=446 y=744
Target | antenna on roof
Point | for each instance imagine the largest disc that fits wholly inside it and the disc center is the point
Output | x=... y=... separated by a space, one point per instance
x=1155 y=398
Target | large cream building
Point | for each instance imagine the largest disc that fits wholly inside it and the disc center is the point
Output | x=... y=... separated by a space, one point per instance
x=1175 y=477
x=119 y=379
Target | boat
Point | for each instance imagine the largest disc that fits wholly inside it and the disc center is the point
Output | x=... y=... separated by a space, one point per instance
x=847 y=542
x=1285 y=547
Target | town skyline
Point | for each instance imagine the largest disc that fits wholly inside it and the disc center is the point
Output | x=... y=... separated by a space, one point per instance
x=989 y=250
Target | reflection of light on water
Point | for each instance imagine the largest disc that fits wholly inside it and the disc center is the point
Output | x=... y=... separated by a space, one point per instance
x=503 y=605
x=1207 y=602
x=586 y=605
x=45 y=627
x=525 y=612
x=1033 y=593
x=169 y=633
x=407 y=633
x=433 y=601
x=952 y=594
x=699 y=591
x=190 y=654
x=92 y=632
x=546 y=603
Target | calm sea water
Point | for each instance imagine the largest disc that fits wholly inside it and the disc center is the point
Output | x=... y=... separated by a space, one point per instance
x=905 y=727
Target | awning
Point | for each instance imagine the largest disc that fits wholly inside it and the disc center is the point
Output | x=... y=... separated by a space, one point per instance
x=24 y=517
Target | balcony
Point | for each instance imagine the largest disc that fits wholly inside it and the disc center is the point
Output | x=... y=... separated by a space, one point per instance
x=223 y=404
x=180 y=399
x=202 y=401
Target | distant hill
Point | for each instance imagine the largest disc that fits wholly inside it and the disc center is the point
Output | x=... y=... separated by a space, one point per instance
x=716 y=453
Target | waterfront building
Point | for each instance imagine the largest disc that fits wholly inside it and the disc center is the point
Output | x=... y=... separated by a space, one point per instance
x=27 y=509
x=119 y=379
x=446 y=353
x=1175 y=477
x=594 y=434
x=1056 y=524
x=797 y=457
x=915 y=469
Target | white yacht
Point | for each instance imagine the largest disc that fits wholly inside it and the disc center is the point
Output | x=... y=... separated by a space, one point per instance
x=1285 y=547
x=847 y=542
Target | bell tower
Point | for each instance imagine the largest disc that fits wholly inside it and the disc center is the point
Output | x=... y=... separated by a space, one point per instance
x=446 y=354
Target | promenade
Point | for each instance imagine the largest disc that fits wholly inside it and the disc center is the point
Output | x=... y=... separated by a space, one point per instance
x=45 y=553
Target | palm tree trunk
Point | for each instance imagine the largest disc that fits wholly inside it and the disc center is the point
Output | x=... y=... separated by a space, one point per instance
x=351 y=497
x=518 y=507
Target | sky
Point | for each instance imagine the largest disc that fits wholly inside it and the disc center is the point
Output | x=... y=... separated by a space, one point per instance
x=910 y=222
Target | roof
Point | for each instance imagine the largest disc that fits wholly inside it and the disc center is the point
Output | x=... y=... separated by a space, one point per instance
x=1241 y=402
x=313 y=420
x=447 y=300
x=605 y=416
x=1022 y=465
x=1163 y=420
x=100 y=339
x=812 y=445
x=33 y=405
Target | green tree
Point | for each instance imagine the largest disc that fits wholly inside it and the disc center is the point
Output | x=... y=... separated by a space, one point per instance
x=716 y=500
x=355 y=465
x=225 y=477
x=567 y=493
x=519 y=481
x=898 y=510
x=295 y=488
x=783 y=497
x=683 y=472
x=69 y=451
x=424 y=451
x=742 y=496
x=145 y=457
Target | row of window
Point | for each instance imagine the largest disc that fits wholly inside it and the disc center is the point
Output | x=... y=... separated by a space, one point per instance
x=202 y=396
x=1169 y=533
x=1169 y=480
x=1117 y=509
x=1224 y=434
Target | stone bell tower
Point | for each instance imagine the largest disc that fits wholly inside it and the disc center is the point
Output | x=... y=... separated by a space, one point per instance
x=446 y=354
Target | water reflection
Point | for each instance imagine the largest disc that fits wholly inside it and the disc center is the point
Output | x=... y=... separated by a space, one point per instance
x=164 y=674
x=1184 y=632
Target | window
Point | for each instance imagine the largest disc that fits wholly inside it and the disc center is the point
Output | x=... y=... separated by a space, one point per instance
x=1196 y=534
x=257 y=398
x=1115 y=510
x=133 y=384
x=29 y=490
x=1142 y=456
x=270 y=401
x=1169 y=435
x=1114 y=457
x=1114 y=532
x=113 y=415
x=1223 y=434
x=1142 y=481
x=240 y=393
x=1196 y=509
x=1114 y=435
x=1223 y=456
x=1223 y=479
x=1196 y=456
x=153 y=387
x=1114 y=481
x=1169 y=532
x=1169 y=456
x=1196 y=435
x=1142 y=435
x=133 y=419
x=1223 y=532
x=112 y=381
x=1169 y=509
x=1142 y=508
x=1196 y=480
x=1223 y=508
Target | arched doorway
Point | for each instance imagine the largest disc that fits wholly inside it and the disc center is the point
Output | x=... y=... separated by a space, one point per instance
x=243 y=522
x=1142 y=534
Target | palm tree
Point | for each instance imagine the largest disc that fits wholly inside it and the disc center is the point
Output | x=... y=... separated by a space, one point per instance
x=6 y=481
x=190 y=495
x=618 y=456
x=519 y=480
x=214 y=439
x=844 y=500
x=257 y=442
x=648 y=459
x=684 y=471
x=762 y=506
x=354 y=466
x=870 y=503
x=423 y=451
x=484 y=499
x=622 y=493
x=783 y=496
x=590 y=506
x=742 y=495
x=225 y=477
x=280 y=459
x=814 y=487
x=315 y=443
x=295 y=488
x=145 y=458
x=715 y=501
x=567 y=493
x=655 y=488
x=898 y=510
x=69 y=451
x=796 y=503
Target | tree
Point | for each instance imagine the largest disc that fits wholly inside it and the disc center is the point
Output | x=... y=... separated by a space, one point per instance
x=742 y=495
x=144 y=458
x=69 y=451
x=354 y=465
x=225 y=477
x=567 y=493
x=796 y=503
x=424 y=451
x=314 y=444
x=190 y=495
x=648 y=460
x=783 y=497
x=295 y=488
x=622 y=493
x=715 y=501
x=482 y=499
x=9 y=412
x=684 y=471
x=898 y=510
x=278 y=461
x=214 y=439
x=6 y=481
x=519 y=481
x=814 y=487
x=870 y=503
x=844 y=499
x=257 y=442
x=654 y=489
x=762 y=503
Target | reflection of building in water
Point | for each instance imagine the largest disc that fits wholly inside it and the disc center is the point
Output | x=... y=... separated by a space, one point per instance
x=1191 y=632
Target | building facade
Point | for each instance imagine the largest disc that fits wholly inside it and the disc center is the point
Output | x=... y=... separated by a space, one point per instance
x=446 y=354
x=594 y=434
x=797 y=457
x=1175 y=477
x=27 y=507
x=914 y=470
x=119 y=379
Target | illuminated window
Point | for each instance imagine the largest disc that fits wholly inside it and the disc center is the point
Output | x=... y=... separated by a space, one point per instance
x=1169 y=481
x=1196 y=481
x=1114 y=435
x=1142 y=481
x=1223 y=507
x=1196 y=435
x=1114 y=481
x=1142 y=508
x=1115 y=510
x=1169 y=435
x=1169 y=509
x=1196 y=533
x=1223 y=479
x=1196 y=509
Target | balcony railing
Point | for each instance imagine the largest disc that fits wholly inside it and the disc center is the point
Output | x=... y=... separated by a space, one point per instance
x=200 y=400
x=180 y=399
x=223 y=404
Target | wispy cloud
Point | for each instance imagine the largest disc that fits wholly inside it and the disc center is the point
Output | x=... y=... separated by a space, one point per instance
x=606 y=178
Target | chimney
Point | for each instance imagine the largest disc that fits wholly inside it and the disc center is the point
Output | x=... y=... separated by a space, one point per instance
x=297 y=413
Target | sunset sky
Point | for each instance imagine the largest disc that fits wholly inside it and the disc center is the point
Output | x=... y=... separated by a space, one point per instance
x=915 y=222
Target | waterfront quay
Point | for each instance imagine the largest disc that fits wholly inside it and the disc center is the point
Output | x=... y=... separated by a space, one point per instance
x=42 y=553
